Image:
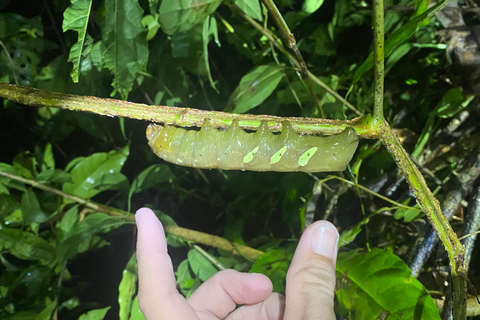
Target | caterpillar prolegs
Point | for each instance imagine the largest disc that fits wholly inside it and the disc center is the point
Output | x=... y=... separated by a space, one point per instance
x=235 y=149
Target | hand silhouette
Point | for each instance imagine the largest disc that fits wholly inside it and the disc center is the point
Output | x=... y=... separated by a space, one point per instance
x=309 y=290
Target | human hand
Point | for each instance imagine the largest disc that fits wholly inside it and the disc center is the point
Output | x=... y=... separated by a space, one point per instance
x=309 y=291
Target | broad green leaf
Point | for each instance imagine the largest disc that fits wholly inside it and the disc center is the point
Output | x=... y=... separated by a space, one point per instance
x=136 y=313
x=125 y=51
x=400 y=35
x=76 y=18
x=25 y=245
x=172 y=240
x=47 y=312
x=184 y=277
x=127 y=288
x=148 y=178
x=182 y=15
x=200 y=266
x=54 y=176
x=310 y=6
x=97 y=314
x=379 y=284
x=255 y=87
x=81 y=233
x=69 y=219
x=31 y=211
x=8 y=204
x=251 y=7
x=90 y=174
x=48 y=160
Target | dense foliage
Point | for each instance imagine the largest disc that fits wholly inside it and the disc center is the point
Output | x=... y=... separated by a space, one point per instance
x=56 y=251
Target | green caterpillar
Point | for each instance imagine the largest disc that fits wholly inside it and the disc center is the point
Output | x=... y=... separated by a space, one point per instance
x=235 y=149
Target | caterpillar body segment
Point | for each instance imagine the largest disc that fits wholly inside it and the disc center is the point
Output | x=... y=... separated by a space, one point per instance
x=235 y=149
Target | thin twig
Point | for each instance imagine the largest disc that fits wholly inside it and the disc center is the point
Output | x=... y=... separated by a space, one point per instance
x=9 y=61
x=186 y=234
x=271 y=37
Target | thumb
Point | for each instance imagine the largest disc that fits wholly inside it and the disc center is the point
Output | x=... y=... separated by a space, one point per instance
x=311 y=277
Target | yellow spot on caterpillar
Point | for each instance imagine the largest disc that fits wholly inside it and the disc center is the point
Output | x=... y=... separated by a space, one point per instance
x=305 y=157
x=250 y=155
x=277 y=156
x=179 y=160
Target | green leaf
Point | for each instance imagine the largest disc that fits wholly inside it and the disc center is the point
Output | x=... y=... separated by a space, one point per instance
x=397 y=37
x=69 y=219
x=8 y=204
x=97 y=314
x=200 y=266
x=127 y=288
x=255 y=87
x=206 y=39
x=152 y=25
x=81 y=233
x=184 y=277
x=251 y=7
x=125 y=50
x=76 y=18
x=452 y=103
x=25 y=245
x=48 y=160
x=310 y=6
x=92 y=173
x=54 y=176
x=182 y=15
x=148 y=178
x=136 y=313
x=31 y=211
x=47 y=312
x=379 y=284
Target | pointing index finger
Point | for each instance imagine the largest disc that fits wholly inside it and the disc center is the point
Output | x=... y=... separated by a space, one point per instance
x=158 y=295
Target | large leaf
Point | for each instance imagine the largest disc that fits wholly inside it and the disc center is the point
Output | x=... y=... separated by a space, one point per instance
x=251 y=8
x=31 y=211
x=378 y=285
x=125 y=50
x=78 y=238
x=400 y=35
x=255 y=87
x=148 y=178
x=182 y=15
x=310 y=6
x=127 y=288
x=76 y=18
x=25 y=245
x=93 y=173
x=200 y=266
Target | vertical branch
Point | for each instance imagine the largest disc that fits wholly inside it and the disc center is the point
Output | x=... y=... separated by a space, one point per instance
x=379 y=71
x=291 y=43
x=439 y=222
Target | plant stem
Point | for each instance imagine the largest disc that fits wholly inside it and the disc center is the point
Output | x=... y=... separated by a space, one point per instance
x=186 y=117
x=185 y=234
x=379 y=71
x=426 y=200
x=292 y=44
x=271 y=37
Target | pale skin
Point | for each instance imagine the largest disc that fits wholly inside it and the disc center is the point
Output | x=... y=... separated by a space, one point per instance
x=309 y=290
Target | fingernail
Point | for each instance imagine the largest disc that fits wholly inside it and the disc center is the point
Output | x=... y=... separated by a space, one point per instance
x=324 y=241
